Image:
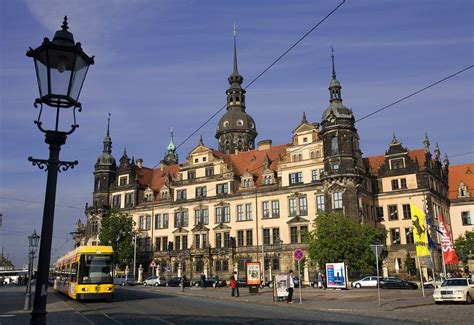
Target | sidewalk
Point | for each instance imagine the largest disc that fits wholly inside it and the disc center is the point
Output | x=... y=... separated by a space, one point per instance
x=12 y=300
x=363 y=301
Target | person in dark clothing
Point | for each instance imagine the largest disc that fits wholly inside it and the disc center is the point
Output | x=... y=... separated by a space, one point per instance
x=236 y=278
x=203 y=281
x=290 y=285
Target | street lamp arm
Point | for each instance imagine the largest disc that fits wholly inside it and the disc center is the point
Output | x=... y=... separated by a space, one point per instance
x=61 y=165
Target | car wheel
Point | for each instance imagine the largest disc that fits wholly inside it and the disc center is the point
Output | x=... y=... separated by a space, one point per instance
x=468 y=299
x=122 y=284
x=383 y=286
x=358 y=285
x=270 y=285
x=144 y=284
x=438 y=302
x=156 y=284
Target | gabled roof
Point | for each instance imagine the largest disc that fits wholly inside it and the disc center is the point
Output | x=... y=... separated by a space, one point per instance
x=461 y=173
x=253 y=160
x=155 y=178
x=375 y=162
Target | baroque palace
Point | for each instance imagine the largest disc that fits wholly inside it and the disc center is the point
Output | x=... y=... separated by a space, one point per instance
x=220 y=208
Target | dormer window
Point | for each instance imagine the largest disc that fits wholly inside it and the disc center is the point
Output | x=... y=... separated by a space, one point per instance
x=164 y=194
x=149 y=195
x=123 y=180
x=462 y=190
x=305 y=139
x=204 y=159
x=398 y=163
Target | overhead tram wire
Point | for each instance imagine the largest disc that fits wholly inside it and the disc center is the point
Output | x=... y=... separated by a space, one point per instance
x=416 y=92
x=262 y=73
x=36 y=202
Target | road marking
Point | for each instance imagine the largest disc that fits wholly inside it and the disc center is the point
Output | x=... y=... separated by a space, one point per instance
x=159 y=319
x=6 y=316
x=109 y=317
x=87 y=319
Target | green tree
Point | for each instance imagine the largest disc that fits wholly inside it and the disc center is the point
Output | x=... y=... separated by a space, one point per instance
x=117 y=231
x=410 y=264
x=337 y=238
x=464 y=245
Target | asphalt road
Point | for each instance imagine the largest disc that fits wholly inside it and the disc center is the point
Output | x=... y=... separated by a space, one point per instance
x=133 y=305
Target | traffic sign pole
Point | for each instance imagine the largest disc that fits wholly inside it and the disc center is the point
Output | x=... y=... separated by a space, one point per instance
x=298 y=255
x=299 y=275
x=377 y=262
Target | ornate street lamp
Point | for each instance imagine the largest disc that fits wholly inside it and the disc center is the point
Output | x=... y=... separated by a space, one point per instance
x=61 y=67
x=33 y=244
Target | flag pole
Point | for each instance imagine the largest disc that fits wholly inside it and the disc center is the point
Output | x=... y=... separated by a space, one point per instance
x=421 y=275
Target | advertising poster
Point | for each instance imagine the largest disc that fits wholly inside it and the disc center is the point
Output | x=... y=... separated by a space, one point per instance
x=281 y=285
x=336 y=275
x=253 y=273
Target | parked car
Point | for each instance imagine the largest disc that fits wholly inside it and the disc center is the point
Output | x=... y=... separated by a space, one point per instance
x=208 y=283
x=242 y=282
x=176 y=282
x=455 y=289
x=397 y=283
x=368 y=281
x=123 y=280
x=155 y=281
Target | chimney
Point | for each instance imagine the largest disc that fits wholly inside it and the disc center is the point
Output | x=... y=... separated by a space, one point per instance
x=139 y=162
x=264 y=145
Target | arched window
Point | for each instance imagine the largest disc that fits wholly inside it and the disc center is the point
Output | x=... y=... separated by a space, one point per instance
x=334 y=146
x=300 y=157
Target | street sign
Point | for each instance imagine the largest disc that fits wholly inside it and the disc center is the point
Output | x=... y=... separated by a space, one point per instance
x=377 y=249
x=298 y=254
x=153 y=264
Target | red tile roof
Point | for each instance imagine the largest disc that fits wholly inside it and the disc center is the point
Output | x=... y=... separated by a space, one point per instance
x=375 y=162
x=461 y=173
x=155 y=178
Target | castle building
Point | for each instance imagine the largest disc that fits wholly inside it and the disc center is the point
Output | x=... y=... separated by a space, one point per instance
x=220 y=208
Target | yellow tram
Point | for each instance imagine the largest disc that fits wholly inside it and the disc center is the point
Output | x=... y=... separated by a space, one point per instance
x=86 y=273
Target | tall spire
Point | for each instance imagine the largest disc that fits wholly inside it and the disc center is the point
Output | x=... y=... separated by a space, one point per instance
x=333 y=66
x=171 y=157
x=171 y=146
x=107 y=140
x=108 y=125
x=236 y=70
x=426 y=143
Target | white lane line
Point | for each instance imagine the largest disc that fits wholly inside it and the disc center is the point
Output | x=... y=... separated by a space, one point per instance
x=159 y=319
x=112 y=319
x=87 y=319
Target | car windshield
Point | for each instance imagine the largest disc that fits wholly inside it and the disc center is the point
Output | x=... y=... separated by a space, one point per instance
x=455 y=282
x=95 y=269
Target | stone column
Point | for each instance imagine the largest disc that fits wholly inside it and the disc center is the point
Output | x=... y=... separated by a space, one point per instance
x=306 y=273
x=180 y=267
x=140 y=274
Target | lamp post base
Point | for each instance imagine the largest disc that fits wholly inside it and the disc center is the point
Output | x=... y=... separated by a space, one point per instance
x=38 y=318
x=27 y=302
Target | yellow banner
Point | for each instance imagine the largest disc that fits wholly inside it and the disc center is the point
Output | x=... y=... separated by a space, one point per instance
x=418 y=221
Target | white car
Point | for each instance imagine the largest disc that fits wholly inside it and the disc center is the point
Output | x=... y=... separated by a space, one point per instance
x=154 y=281
x=368 y=281
x=456 y=289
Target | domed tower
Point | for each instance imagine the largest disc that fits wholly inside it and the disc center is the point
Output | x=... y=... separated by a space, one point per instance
x=236 y=130
x=104 y=172
x=343 y=163
x=171 y=156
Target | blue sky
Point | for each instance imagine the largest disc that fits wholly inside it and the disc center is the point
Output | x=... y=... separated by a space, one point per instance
x=162 y=64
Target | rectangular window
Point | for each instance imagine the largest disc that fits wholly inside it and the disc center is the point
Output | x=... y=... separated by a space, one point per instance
x=266 y=236
x=181 y=219
x=394 y=184
x=406 y=211
x=303 y=206
x=403 y=183
x=248 y=211
x=314 y=175
x=166 y=218
x=392 y=212
x=177 y=243
x=335 y=167
x=209 y=171
x=197 y=241
x=128 y=200
x=116 y=201
x=409 y=236
x=222 y=189
x=466 y=218
x=294 y=235
x=303 y=232
x=337 y=196
x=148 y=223
x=218 y=266
x=158 y=244
x=201 y=217
x=227 y=239
x=141 y=223
x=240 y=238
x=181 y=195
x=296 y=178
x=201 y=191
x=275 y=235
x=266 y=209
x=292 y=206
x=185 y=242
x=204 y=241
x=158 y=221
x=379 y=211
x=396 y=163
x=218 y=240
x=191 y=174
x=240 y=212
x=123 y=180
x=249 y=237
x=395 y=236
x=275 y=209
x=225 y=266
x=223 y=214
x=321 y=173
x=147 y=244
x=276 y=264
x=164 y=243
x=320 y=204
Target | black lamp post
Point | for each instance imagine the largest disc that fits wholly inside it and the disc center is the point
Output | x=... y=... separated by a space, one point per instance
x=33 y=244
x=61 y=67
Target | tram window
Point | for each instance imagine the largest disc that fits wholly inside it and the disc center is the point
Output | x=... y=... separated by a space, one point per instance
x=74 y=272
x=95 y=269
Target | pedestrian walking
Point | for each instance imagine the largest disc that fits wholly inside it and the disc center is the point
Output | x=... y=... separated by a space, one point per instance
x=236 y=279
x=290 y=285
x=320 y=280
x=233 y=285
x=323 y=281
x=203 y=280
